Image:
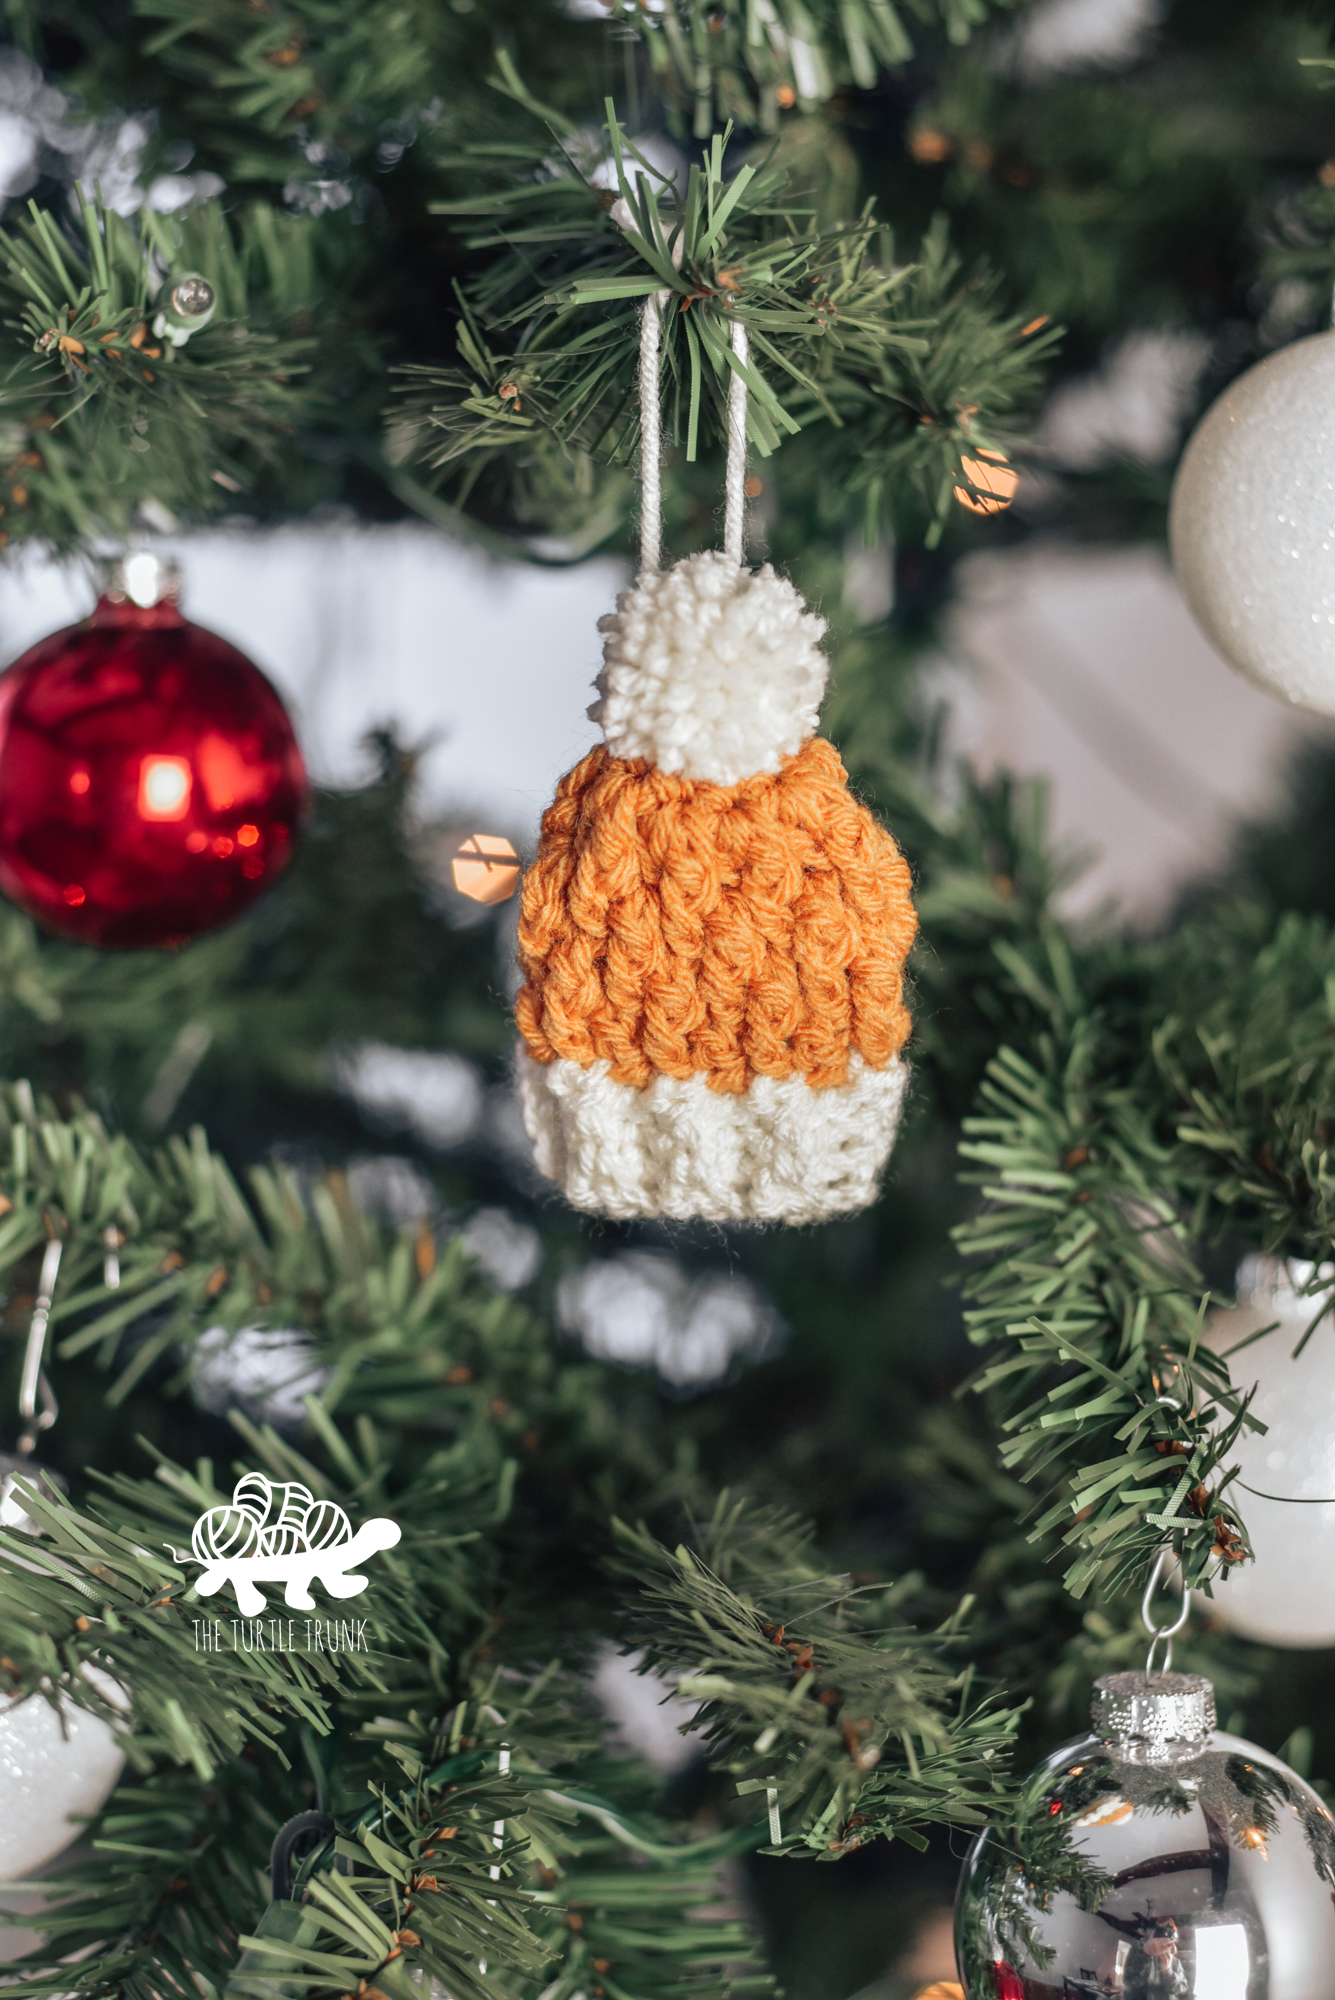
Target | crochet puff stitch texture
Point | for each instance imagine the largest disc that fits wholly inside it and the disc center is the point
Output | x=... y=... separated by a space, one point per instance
x=713 y=933
x=673 y=927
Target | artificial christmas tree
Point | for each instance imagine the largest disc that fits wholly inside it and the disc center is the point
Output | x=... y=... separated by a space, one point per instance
x=428 y=238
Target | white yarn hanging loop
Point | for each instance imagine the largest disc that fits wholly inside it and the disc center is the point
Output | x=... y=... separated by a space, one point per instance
x=734 y=511
x=651 y=443
x=651 y=437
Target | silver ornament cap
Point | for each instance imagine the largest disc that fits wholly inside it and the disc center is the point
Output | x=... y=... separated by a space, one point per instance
x=1154 y=1718
x=143 y=577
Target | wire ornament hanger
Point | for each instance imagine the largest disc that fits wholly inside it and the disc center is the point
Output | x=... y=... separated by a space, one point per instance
x=34 y=1383
x=1161 y=1635
x=38 y=1408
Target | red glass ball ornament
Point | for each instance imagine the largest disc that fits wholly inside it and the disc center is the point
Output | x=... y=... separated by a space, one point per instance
x=150 y=784
x=1007 y=1981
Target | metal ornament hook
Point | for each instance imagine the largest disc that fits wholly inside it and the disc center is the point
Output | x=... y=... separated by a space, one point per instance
x=34 y=1382
x=1161 y=1634
x=283 y=1867
x=111 y=1263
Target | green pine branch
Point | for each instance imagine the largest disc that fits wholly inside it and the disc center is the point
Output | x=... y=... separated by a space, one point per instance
x=913 y=367
x=163 y=1890
x=463 y=1864
x=307 y=62
x=306 y=92
x=750 y=60
x=101 y=416
x=479 y=1866
x=823 y=1706
x=254 y=1014
x=336 y=74
x=1086 y=1291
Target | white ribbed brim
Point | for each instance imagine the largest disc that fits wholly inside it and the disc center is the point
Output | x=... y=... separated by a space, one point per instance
x=778 y=1152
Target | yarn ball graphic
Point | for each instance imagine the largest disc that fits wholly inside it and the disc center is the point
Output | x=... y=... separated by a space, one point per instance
x=269 y=1520
x=714 y=930
x=278 y=1532
x=224 y=1533
x=325 y=1525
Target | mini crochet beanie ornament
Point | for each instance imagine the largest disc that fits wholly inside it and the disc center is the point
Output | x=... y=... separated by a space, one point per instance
x=713 y=932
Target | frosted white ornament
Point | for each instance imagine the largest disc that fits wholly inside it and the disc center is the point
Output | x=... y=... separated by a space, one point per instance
x=46 y=1775
x=1252 y=523
x=1287 y=1596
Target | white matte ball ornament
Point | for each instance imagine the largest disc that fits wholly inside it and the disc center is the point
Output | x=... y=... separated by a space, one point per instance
x=1287 y=1596
x=1252 y=524
x=47 y=1774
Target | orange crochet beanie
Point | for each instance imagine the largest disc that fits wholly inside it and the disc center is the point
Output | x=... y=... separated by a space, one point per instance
x=713 y=933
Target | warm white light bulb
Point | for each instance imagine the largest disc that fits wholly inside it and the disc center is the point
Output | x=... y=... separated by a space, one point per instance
x=485 y=868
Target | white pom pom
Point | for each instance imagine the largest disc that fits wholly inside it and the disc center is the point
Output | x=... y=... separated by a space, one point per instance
x=711 y=670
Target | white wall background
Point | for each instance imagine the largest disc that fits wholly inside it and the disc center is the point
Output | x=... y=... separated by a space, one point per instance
x=1085 y=667
x=1080 y=665
x=490 y=661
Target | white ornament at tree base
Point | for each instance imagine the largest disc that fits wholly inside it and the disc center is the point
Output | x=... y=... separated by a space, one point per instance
x=1252 y=523
x=1287 y=1596
x=51 y=1777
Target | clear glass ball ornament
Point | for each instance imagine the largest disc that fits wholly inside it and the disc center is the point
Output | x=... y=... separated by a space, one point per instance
x=1252 y=523
x=1286 y=1597
x=1156 y=1859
